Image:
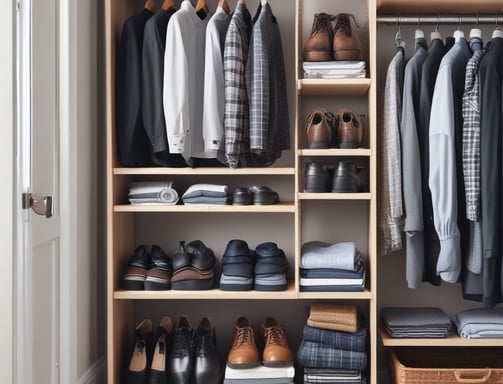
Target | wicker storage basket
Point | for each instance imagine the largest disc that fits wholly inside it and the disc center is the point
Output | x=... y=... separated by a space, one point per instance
x=446 y=365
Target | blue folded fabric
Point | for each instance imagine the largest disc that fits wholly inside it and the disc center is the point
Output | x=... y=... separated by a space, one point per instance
x=318 y=355
x=321 y=273
x=205 y=200
x=317 y=254
x=336 y=339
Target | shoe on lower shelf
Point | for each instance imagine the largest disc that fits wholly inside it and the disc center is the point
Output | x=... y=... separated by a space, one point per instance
x=137 y=270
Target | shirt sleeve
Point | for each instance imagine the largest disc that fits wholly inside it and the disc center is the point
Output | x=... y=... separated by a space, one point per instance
x=442 y=177
x=175 y=88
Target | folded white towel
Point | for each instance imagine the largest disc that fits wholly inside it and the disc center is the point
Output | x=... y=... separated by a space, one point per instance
x=152 y=193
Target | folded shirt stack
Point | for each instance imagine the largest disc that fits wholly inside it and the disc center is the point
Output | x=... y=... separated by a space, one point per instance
x=331 y=267
x=334 y=344
x=334 y=69
x=417 y=322
x=152 y=193
x=479 y=323
x=260 y=375
x=206 y=194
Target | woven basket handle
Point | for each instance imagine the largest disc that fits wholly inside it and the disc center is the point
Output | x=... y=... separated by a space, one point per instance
x=471 y=376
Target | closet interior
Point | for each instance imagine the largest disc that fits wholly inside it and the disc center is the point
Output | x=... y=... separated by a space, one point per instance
x=300 y=216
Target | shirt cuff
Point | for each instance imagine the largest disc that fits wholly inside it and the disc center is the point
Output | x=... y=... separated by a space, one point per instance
x=175 y=144
x=449 y=259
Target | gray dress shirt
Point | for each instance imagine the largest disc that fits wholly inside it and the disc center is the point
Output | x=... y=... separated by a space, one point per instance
x=411 y=167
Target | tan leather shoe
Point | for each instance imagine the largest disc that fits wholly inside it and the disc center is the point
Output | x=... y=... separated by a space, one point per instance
x=318 y=46
x=319 y=131
x=276 y=351
x=349 y=129
x=244 y=352
x=345 y=45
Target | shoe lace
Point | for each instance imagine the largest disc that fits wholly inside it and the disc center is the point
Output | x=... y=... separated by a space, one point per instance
x=243 y=335
x=273 y=335
x=182 y=344
x=344 y=23
x=321 y=22
x=204 y=346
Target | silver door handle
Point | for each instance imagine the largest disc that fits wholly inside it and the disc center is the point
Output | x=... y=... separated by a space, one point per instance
x=41 y=205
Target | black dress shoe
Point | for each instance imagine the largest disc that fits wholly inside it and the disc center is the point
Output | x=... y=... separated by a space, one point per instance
x=201 y=257
x=181 y=361
x=139 y=361
x=162 y=348
x=137 y=269
x=207 y=365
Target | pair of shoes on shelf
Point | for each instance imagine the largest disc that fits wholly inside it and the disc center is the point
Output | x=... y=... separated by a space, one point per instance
x=244 y=269
x=194 y=358
x=244 y=352
x=327 y=43
x=176 y=356
x=148 y=361
x=325 y=130
x=254 y=195
x=149 y=270
x=194 y=267
x=346 y=178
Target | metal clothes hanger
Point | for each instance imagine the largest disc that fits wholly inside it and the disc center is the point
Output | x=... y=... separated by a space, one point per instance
x=398 y=36
x=497 y=30
x=458 y=33
x=436 y=33
x=476 y=32
x=419 y=34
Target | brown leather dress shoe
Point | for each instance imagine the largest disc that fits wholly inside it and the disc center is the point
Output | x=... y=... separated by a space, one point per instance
x=318 y=46
x=244 y=352
x=349 y=129
x=320 y=124
x=346 y=45
x=276 y=351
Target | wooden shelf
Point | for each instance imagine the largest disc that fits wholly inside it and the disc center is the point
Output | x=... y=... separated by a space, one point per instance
x=206 y=171
x=453 y=340
x=356 y=87
x=334 y=196
x=362 y=152
x=282 y=207
x=365 y=295
x=212 y=294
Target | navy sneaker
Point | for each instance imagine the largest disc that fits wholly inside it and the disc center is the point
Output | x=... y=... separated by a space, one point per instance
x=271 y=267
x=238 y=263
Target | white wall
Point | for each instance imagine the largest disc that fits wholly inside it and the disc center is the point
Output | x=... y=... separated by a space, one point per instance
x=6 y=192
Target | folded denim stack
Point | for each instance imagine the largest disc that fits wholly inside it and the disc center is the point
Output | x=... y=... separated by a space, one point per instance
x=152 y=193
x=333 y=348
x=331 y=267
x=193 y=267
x=479 y=323
x=206 y=194
x=238 y=264
x=417 y=322
x=271 y=267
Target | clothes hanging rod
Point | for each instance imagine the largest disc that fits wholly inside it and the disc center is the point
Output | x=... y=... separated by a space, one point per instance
x=460 y=19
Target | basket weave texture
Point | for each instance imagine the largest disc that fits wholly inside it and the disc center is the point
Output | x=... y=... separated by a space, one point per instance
x=419 y=366
x=337 y=317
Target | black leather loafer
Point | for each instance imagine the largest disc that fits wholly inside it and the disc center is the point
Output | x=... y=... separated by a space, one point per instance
x=137 y=269
x=159 y=274
x=201 y=257
x=242 y=196
x=207 y=365
x=263 y=195
x=181 y=259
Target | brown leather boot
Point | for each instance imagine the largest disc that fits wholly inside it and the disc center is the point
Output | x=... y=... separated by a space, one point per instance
x=244 y=352
x=349 y=129
x=320 y=124
x=318 y=46
x=277 y=352
x=346 y=45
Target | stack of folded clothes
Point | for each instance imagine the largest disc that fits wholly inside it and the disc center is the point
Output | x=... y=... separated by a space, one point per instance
x=260 y=375
x=417 y=322
x=478 y=323
x=152 y=193
x=206 y=194
x=333 y=348
x=331 y=267
x=334 y=69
